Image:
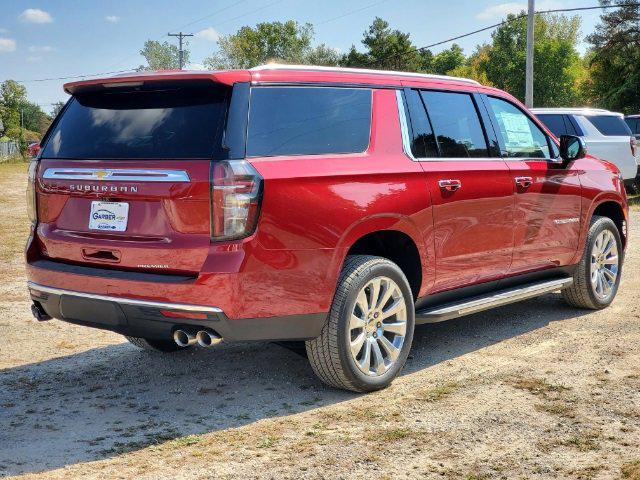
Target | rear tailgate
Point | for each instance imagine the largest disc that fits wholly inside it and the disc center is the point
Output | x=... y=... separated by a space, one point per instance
x=124 y=178
x=167 y=224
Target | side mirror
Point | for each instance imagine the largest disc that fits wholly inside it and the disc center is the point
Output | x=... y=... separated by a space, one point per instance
x=572 y=147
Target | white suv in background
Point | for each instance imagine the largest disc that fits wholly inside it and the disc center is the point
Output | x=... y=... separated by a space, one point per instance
x=607 y=135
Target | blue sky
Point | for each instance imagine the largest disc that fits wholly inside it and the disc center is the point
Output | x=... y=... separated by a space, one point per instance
x=55 y=38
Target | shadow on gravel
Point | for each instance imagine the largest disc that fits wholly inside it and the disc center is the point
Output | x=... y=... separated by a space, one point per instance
x=106 y=401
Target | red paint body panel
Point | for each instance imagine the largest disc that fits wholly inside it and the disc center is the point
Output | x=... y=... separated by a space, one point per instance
x=314 y=208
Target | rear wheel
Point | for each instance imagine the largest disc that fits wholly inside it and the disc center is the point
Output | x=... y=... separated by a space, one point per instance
x=154 y=344
x=597 y=277
x=367 y=336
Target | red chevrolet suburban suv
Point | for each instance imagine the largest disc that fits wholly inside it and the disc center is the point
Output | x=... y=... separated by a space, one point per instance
x=339 y=207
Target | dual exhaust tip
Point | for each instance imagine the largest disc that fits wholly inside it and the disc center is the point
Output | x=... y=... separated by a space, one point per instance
x=204 y=338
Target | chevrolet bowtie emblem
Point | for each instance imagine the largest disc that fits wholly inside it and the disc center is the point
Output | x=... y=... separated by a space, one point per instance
x=101 y=174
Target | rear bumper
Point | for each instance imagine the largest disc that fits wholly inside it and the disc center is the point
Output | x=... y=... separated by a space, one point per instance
x=157 y=320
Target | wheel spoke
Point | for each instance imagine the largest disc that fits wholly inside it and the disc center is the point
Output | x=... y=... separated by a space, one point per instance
x=377 y=353
x=374 y=293
x=356 y=322
x=356 y=345
x=392 y=351
x=612 y=260
x=362 y=302
x=396 y=307
x=388 y=291
x=609 y=274
x=399 y=328
x=600 y=286
x=365 y=362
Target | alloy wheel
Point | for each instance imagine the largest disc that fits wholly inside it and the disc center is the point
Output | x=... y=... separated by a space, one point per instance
x=604 y=264
x=378 y=326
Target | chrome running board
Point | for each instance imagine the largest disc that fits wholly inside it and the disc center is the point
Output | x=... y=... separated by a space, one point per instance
x=494 y=299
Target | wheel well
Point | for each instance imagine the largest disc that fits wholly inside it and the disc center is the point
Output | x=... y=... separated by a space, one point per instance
x=613 y=211
x=397 y=247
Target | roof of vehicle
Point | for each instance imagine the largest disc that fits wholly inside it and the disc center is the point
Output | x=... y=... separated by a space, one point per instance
x=635 y=115
x=576 y=111
x=273 y=73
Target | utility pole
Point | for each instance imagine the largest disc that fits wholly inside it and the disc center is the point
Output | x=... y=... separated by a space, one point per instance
x=528 y=96
x=180 y=51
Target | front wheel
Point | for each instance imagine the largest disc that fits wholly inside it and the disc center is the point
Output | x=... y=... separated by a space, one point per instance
x=596 y=280
x=367 y=336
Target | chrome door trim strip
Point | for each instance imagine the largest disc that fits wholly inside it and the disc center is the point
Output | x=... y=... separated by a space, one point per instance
x=34 y=287
x=492 y=300
x=116 y=174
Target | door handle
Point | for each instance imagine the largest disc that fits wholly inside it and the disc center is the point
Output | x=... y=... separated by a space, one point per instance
x=524 y=182
x=450 y=185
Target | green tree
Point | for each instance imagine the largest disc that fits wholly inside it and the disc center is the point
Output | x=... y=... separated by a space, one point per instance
x=322 y=55
x=558 y=69
x=12 y=95
x=162 y=56
x=385 y=49
x=287 y=42
x=472 y=66
x=614 y=60
x=445 y=61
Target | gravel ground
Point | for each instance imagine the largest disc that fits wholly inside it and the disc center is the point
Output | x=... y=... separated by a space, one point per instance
x=531 y=390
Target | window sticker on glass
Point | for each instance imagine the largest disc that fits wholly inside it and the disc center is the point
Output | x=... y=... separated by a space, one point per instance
x=518 y=133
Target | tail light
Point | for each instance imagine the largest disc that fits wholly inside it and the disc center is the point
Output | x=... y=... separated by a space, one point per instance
x=634 y=145
x=31 y=192
x=235 y=199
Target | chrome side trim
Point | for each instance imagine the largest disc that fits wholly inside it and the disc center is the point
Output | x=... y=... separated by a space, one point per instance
x=116 y=175
x=34 y=287
x=492 y=300
x=404 y=126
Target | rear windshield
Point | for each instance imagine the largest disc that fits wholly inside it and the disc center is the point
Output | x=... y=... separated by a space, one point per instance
x=610 y=125
x=171 y=123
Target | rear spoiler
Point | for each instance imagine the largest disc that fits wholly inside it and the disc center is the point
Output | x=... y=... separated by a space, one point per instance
x=140 y=79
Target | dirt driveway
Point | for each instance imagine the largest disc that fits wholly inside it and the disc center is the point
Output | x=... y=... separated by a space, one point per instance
x=532 y=390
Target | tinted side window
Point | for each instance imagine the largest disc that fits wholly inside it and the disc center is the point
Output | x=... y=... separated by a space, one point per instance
x=554 y=122
x=632 y=124
x=308 y=121
x=609 y=125
x=423 y=141
x=571 y=129
x=522 y=138
x=456 y=124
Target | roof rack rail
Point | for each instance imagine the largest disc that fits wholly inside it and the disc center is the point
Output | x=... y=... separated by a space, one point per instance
x=314 y=68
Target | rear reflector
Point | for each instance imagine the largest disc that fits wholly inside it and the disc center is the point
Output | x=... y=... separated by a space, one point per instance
x=174 y=314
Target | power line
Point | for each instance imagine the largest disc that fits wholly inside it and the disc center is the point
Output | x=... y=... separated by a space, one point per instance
x=458 y=37
x=517 y=17
x=346 y=14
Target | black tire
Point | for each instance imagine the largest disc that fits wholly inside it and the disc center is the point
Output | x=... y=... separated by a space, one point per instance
x=582 y=293
x=329 y=354
x=155 y=345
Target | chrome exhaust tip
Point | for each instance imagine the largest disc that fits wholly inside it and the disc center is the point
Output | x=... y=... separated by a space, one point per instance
x=208 y=338
x=184 y=338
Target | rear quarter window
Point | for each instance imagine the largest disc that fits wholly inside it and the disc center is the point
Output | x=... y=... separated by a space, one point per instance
x=308 y=121
x=609 y=125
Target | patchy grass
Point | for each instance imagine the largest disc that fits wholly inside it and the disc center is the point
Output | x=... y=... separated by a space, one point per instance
x=631 y=470
x=560 y=408
x=538 y=386
x=634 y=202
x=437 y=393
